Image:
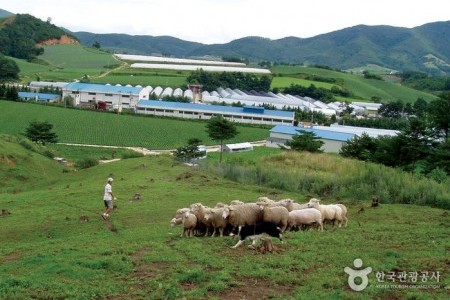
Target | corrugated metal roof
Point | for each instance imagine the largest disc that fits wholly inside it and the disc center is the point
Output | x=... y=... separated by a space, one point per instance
x=215 y=108
x=101 y=88
x=321 y=133
x=40 y=96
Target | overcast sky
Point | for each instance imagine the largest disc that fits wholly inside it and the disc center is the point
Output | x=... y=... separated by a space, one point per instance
x=221 y=21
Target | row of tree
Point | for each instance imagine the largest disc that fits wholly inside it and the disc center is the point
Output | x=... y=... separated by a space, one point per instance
x=234 y=80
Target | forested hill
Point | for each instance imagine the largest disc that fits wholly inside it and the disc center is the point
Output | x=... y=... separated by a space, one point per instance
x=19 y=35
x=423 y=48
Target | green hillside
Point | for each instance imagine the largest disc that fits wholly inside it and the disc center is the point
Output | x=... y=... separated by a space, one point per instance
x=361 y=87
x=23 y=164
x=55 y=245
x=423 y=48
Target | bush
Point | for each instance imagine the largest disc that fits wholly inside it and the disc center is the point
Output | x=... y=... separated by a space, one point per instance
x=86 y=163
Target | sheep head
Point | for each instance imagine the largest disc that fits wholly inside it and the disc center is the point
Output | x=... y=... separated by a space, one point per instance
x=313 y=202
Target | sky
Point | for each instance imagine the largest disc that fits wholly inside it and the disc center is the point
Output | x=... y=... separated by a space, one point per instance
x=221 y=21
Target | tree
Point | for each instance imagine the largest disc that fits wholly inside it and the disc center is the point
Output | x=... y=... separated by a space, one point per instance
x=360 y=147
x=392 y=109
x=439 y=115
x=189 y=152
x=306 y=141
x=41 y=132
x=96 y=45
x=439 y=158
x=8 y=69
x=220 y=129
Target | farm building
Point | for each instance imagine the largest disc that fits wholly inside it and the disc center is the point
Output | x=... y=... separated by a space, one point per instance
x=333 y=140
x=40 y=97
x=48 y=84
x=112 y=96
x=250 y=114
x=239 y=147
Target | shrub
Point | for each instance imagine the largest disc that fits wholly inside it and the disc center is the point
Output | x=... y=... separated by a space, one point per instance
x=86 y=163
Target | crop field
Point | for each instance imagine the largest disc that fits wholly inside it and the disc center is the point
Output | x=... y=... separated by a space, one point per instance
x=55 y=245
x=284 y=82
x=153 y=78
x=99 y=128
x=365 y=88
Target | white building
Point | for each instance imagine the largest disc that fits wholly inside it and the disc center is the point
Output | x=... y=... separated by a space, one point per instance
x=117 y=96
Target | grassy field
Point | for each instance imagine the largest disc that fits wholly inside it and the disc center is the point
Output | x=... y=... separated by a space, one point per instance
x=88 y=127
x=49 y=252
x=364 y=88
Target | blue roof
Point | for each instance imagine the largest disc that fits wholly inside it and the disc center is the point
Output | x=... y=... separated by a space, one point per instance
x=217 y=108
x=321 y=133
x=103 y=88
x=40 y=96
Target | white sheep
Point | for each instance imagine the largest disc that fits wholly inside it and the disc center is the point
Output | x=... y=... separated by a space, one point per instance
x=278 y=215
x=241 y=215
x=217 y=221
x=307 y=216
x=291 y=205
x=268 y=201
x=198 y=210
x=176 y=221
x=330 y=212
x=344 y=213
x=236 y=202
x=189 y=222
x=219 y=204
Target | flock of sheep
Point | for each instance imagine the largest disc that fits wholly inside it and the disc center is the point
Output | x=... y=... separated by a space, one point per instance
x=286 y=214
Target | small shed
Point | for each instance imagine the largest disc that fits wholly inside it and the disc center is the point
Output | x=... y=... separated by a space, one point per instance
x=240 y=147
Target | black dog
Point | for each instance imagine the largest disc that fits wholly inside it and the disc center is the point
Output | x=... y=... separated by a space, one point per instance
x=256 y=231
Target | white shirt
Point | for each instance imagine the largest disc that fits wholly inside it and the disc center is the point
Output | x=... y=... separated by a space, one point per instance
x=108 y=190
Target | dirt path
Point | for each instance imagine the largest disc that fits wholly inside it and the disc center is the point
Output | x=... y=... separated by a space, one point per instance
x=122 y=65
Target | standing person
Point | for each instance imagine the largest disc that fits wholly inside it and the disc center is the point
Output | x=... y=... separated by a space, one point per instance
x=108 y=197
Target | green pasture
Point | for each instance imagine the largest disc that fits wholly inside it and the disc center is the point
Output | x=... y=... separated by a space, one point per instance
x=77 y=57
x=102 y=128
x=284 y=82
x=163 y=78
x=50 y=251
x=361 y=87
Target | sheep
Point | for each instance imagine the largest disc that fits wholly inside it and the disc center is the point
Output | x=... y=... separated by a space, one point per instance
x=176 y=221
x=307 y=216
x=217 y=221
x=189 y=222
x=241 y=215
x=199 y=211
x=291 y=205
x=344 y=213
x=236 y=202
x=330 y=212
x=268 y=201
x=219 y=204
x=278 y=215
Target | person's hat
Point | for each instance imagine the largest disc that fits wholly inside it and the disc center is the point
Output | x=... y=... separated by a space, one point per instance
x=110 y=179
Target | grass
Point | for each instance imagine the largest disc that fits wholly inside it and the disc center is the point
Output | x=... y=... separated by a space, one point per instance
x=48 y=252
x=89 y=127
x=363 y=88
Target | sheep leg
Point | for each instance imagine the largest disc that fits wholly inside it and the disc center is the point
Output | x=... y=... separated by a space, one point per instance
x=240 y=242
x=221 y=229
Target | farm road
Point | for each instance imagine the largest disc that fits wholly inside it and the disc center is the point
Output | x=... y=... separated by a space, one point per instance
x=146 y=151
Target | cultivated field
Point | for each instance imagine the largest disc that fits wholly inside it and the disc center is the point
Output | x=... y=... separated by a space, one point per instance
x=89 y=127
x=49 y=250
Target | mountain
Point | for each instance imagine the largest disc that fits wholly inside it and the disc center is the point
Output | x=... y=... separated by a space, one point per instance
x=5 y=13
x=423 y=48
x=22 y=35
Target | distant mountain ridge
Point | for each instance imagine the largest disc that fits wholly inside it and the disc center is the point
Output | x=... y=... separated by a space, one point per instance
x=424 y=48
